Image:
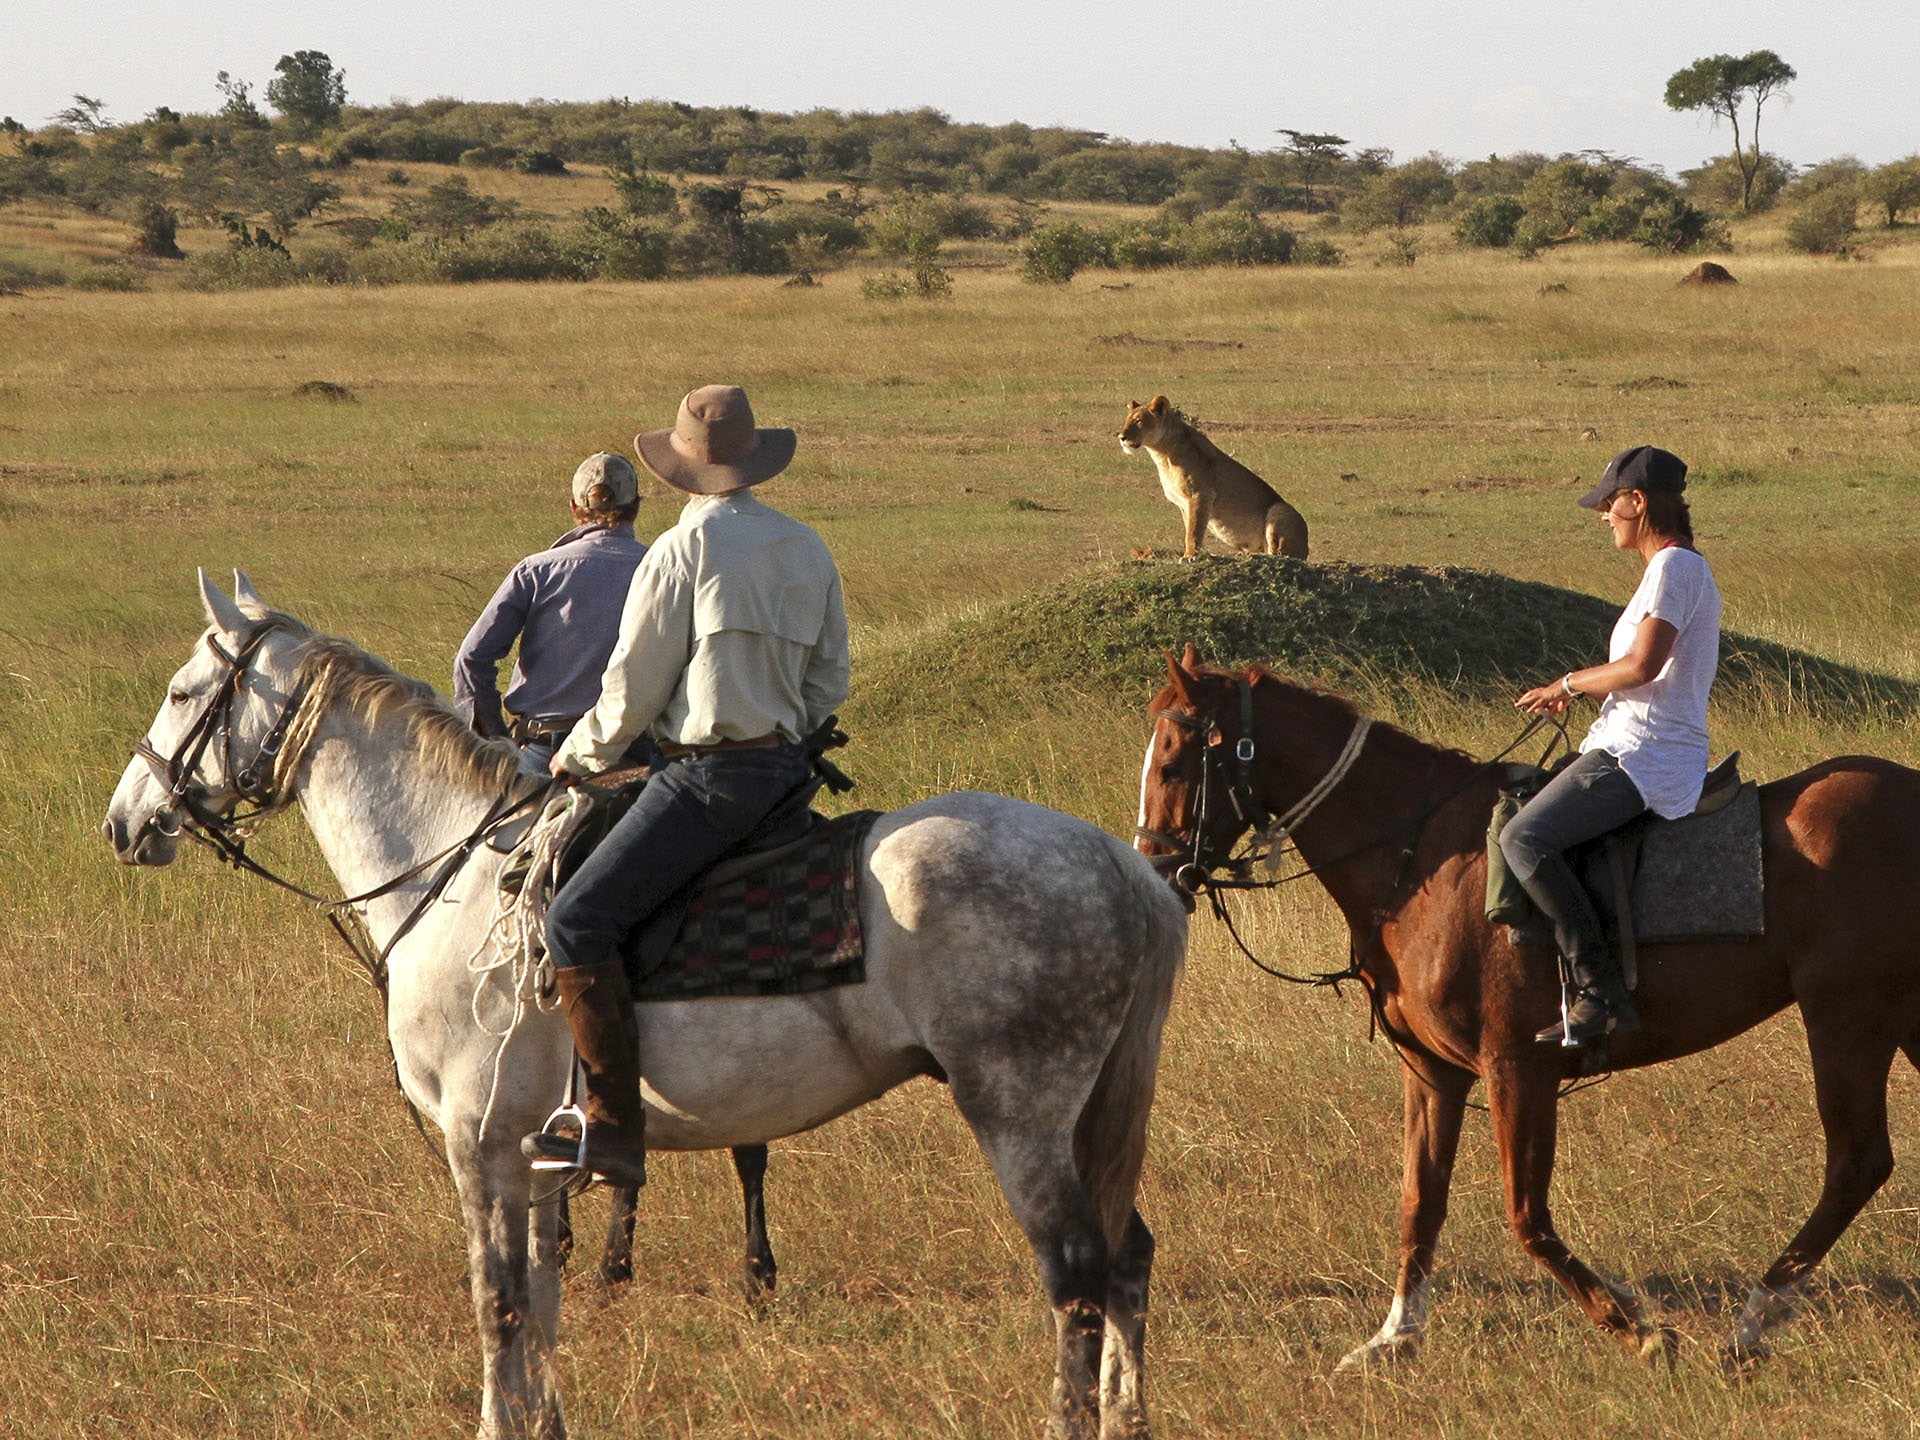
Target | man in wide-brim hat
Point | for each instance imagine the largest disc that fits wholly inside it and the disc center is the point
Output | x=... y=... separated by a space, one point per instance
x=732 y=649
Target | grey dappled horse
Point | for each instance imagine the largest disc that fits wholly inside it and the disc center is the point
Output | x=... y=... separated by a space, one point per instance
x=1021 y=956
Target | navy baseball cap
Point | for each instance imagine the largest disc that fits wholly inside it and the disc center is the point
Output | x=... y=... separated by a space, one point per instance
x=1644 y=467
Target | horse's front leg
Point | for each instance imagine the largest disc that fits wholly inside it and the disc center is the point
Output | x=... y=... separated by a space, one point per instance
x=1524 y=1100
x=1434 y=1101
x=517 y=1311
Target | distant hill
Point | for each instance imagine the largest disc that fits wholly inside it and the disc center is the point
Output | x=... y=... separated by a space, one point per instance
x=1346 y=627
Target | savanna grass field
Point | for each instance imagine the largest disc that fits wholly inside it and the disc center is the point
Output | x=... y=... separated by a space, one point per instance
x=219 y=1220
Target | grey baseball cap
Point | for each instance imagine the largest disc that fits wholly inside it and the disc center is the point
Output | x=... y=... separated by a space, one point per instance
x=605 y=482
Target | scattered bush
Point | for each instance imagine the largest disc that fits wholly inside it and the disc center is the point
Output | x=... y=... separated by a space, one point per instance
x=1893 y=187
x=155 y=229
x=1153 y=245
x=1675 y=227
x=1489 y=222
x=240 y=268
x=921 y=282
x=18 y=275
x=1236 y=237
x=1319 y=252
x=1055 y=253
x=107 y=275
x=1825 y=222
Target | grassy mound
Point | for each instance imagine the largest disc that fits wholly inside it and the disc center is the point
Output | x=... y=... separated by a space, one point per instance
x=1344 y=627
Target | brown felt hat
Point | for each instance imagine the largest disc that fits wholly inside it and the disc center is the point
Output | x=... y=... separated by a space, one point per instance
x=714 y=446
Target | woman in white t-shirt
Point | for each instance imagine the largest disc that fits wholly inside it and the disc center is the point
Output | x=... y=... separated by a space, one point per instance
x=1648 y=748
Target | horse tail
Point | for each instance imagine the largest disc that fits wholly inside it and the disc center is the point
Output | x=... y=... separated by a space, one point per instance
x=1110 y=1140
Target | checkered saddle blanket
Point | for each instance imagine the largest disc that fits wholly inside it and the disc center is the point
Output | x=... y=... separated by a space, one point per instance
x=783 y=921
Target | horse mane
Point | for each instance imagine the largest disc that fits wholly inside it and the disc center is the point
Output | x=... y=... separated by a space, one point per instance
x=333 y=672
x=1256 y=674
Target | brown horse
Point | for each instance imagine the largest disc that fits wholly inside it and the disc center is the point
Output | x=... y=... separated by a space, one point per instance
x=1399 y=841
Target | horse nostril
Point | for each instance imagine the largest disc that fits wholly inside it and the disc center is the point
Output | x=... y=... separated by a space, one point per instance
x=110 y=832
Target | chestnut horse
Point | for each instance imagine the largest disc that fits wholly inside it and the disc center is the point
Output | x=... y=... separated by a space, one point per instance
x=1398 y=838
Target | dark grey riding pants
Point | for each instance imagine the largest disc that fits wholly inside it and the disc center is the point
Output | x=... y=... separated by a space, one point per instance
x=1583 y=802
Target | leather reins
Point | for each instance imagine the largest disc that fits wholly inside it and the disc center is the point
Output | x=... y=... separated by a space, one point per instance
x=226 y=832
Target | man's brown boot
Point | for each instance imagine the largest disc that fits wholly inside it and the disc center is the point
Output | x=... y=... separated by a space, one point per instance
x=606 y=1037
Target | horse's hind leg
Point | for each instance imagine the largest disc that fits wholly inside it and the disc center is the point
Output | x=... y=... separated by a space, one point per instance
x=1050 y=1203
x=1123 y=1402
x=760 y=1270
x=1521 y=1095
x=1850 y=1084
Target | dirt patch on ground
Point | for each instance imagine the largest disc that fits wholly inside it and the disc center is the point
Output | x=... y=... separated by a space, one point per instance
x=1649 y=382
x=1708 y=273
x=1127 y=337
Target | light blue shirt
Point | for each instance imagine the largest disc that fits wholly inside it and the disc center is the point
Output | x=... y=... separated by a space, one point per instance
x=563 y=606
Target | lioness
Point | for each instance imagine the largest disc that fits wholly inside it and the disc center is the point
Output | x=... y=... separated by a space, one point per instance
x=1212 y=489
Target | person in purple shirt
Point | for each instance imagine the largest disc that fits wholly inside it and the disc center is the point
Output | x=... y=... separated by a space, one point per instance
x=563 y=606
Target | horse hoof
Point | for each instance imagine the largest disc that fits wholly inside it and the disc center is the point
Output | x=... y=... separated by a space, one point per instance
x=1660 y=1343
x=1377 y=1353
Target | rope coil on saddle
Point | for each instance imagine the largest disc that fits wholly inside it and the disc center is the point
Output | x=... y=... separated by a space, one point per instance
x=515 y=939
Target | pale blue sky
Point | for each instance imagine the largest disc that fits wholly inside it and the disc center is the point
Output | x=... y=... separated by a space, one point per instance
x=1411 y=75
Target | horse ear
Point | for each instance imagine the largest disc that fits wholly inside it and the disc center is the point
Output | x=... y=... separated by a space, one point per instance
x=222 y=614
x=1158 y=405
x=251 y=604
x=1179 y=675
x=1191 y=660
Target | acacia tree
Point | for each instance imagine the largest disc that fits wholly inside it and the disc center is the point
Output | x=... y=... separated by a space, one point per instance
x=1313 y=154
x=1721 y=85
x=307 y=88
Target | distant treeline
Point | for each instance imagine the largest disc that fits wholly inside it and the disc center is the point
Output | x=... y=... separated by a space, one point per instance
x=898 y=183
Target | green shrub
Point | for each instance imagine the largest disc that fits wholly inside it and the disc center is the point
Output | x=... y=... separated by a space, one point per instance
x=488 y=157
x=25 y=275
x=154 y=230
x=1055 y=253
x=1675 y=226
x=921 y=282
x=1237 y=237
x=249 y=267
x=1150 y=246
x=539 y=162
x=1825 y=221
x=607 y=246
x=1489 y=222
x=108 y=275
x=1318 y=252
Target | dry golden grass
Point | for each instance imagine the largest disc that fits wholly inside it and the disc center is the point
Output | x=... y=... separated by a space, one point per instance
x=221 y=1224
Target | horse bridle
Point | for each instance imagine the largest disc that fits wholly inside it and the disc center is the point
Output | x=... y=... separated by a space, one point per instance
x=1193 y=870
x=227 y=833
x=253 y=782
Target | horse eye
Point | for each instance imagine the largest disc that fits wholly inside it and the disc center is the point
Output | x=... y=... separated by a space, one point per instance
x=177 y=697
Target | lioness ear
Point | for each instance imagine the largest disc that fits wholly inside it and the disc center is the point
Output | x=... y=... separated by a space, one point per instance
x=1159 y=405
x=1133 y=404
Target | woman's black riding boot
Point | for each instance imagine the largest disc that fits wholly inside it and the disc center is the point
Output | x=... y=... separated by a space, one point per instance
x=1597 y=1003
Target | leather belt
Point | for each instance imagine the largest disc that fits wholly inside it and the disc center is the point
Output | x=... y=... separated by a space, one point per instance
x=758 y=742
x=527 y=732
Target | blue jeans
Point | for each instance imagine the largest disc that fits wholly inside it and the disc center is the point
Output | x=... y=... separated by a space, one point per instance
x=1583 y=802
x=691 y=812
